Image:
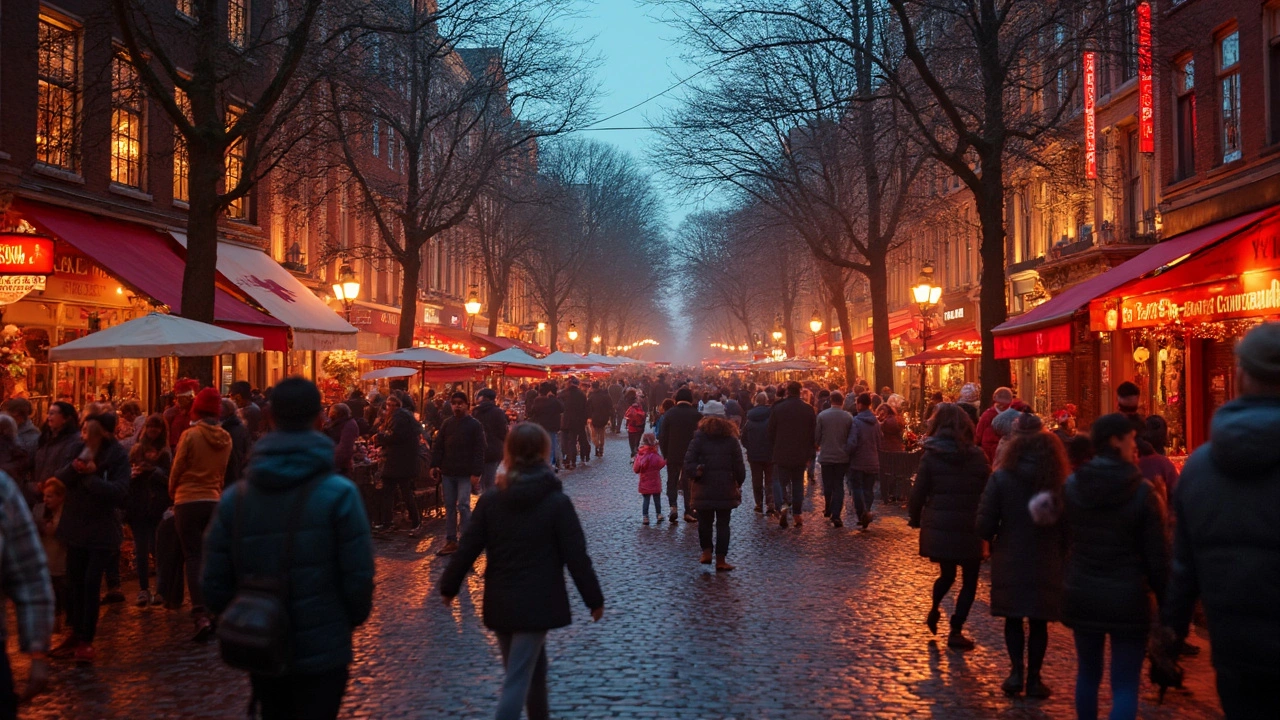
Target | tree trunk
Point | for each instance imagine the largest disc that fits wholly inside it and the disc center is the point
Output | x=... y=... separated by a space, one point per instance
x=788 y=325
x=497 y=299
x=411 y=264
x=882 y=345
x=553 y=331
x=198 y=275
x=992 y=308
x=846 y=336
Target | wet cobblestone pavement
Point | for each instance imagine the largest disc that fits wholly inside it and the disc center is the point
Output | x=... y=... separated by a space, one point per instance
x=815 y=623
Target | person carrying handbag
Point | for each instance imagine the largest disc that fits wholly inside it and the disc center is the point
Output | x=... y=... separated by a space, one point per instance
x=296 y=519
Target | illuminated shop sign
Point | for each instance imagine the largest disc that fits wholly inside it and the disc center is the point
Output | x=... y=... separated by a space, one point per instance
x=23 y=254
x=1252 y=295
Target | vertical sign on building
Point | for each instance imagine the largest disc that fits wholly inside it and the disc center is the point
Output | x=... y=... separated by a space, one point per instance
x=1146 y=99
x=1090 y=116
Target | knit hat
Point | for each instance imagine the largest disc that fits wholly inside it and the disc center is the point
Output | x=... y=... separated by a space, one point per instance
x=713 y=407
x=1028 y=424
x=1259 y=353
x=969 y=393
x=1003 y=422
x=186 y=386
x=1002 y=395
x=208 y=402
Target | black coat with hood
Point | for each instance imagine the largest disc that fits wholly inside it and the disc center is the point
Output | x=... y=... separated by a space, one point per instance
x=678 y=426
x=1118 y=554
x=575 y=408
x=547 y=412
x=399 y=443
x=1027 y=558
x=1226 y=548
x=791 y=432
x=530 y=533
x=714 y=464
x=945 y=498
x=494 y=421
x=755 y=435
x=599 y=408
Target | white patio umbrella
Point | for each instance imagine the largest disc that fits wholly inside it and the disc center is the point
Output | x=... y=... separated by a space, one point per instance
x=605 y=360
x=389 y=372
x=513 y=356
x=425 y=357
x=561 y=358
x=156 y=335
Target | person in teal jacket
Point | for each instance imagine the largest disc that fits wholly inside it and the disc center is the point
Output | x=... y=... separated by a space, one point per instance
x=331 y=572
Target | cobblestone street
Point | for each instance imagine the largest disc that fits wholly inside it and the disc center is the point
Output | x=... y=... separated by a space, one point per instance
x=815 y=623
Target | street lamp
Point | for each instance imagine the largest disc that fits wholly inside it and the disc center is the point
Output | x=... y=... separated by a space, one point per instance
x=347 y=289
x=595 y=340
x=815 y=324
x=572 y=334
x=926 y=295
x=777 y=329
x=472 y=306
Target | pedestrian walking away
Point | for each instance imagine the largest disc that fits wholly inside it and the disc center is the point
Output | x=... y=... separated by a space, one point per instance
x=295 y=517
x=530 y=533
x=863 y=448
x=944 y=505
x=714 y=464
x=648 y=464
x=676 y=432
x=636 y=417
x=755 y=440
x=790 y=434
x=599 y=414
x=832 y=436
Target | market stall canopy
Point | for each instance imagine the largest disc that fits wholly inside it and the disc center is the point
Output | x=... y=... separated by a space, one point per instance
x=389 y=372
x=315 y=326
x=421 y=355
x=513 y=356
x=604 y=360
x=785 y=365
x=156 y=335
x=561 y=358
x=1046 y=328
x=149 y=262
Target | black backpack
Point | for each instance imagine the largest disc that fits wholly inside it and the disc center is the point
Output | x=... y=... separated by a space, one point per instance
x=253 y=631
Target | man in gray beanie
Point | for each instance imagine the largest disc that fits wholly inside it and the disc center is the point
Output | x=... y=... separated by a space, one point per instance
x=1227 y=505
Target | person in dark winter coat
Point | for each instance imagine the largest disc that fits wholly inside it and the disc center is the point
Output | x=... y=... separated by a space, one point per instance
x=530 y=532
x=58 y=445
x=494 y=421
x=714 y=462
x=599 y=414
x=1028 y=548
x=944 y=505
x=755 y=440
x=1227 y=505
x=616 y=391
x=148 y=498
x=674 y=435
x=866 y=439
x=986 y=436
x=548 y=413
x=343 y=430
x=97 y=483
x=457 y=460
x=240 y=441
x=831 y=434
x=1117 y=558
x=790 y=434
x=574 y=442
x=400 y=440
x=331 y=569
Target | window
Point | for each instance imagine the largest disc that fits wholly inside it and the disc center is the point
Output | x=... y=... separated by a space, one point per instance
x=391 y=149
x=1229 y=82
x=377 y=138
x=1139 y=200
x=58 y=99
x=1185 y=83
x=180 y=161
x=1128 y=39
x=128 y=129
x=186 y=7
x=238 y=22
x=237 y=209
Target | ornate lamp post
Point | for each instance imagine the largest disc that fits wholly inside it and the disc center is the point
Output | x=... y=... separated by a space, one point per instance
x=926 y=295
x=595 y=340
x=347 y=289
x=572 y=335
x=815 y=325
x=472 y=306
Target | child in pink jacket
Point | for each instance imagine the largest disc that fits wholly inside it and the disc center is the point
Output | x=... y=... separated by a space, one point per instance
x=648 y=465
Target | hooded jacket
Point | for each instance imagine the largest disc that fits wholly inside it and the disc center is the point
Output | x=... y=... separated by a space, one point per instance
x=945 y=497
x=240 y=444
x=985 y=435
x=494 y=421
x=755 y=435
x=1027 y=559
x=599 y=408
x=714 y=465
x=89 y=511
x=400 y=446
x=648 y=465
x=678 y=426
x=1118 y=555
x=331 y=572
x=200 y=464
x=575 y=408
x=831 y=434
x=865 y=441
x=1227 y=504
x=530 y=533
x=790 y=432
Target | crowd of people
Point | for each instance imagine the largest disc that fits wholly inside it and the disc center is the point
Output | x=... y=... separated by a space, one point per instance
x=246 y=505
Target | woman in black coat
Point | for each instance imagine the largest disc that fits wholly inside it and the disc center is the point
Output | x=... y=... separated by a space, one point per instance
x=1020 y=517
x=944 y=505
x=401 y=464
x=529 y=529
x=714 y=461
x=755 y=440
x=59 y=443
x=1118 y=558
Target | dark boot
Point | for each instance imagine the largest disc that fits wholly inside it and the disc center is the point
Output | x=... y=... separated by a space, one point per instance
x=1037 y=689
x=932 y=621
x=706 y=557
x=1012 y=685
x=956 y=639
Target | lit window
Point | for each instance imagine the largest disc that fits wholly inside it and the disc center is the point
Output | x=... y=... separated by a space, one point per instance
x=58 y=99
x=180 y=167
x=127 y=124
x=1229 y=77
x=186 y=7
x=239 y=208
x=238 y=22
x=1185 y=79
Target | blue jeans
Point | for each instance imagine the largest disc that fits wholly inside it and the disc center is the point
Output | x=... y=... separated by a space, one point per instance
x=144 y=543
x=862 y=486
x=1127 y=654
x=489 y=477
x=555 y=448
x=525 y=655
x=792 y=476
x=833 y=488
x=457 y=505
x=657 y=504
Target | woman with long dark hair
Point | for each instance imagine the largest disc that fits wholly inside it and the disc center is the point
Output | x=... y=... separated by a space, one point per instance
x=714 y=460
x=530 y=531
x=944 y=505
x=59 y=443
x=1020 y=517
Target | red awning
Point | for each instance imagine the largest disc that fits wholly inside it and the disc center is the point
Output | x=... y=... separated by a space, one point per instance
x=957 y=341
x=149 y=262
x=454 y=340
x=899 y=322
x=1061 y=307
x=938 y=357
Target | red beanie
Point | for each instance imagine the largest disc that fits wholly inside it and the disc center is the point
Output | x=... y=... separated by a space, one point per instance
x=208 y=402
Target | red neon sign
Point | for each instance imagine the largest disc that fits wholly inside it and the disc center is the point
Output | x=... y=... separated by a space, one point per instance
x=23 y=254
x=1146 y=99
x=1090 y=116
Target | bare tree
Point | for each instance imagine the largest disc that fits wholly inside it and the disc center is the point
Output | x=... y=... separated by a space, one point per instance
x=709 y=256
x=502 y=222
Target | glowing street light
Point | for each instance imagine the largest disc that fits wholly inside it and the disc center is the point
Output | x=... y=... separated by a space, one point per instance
x=347 y=289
